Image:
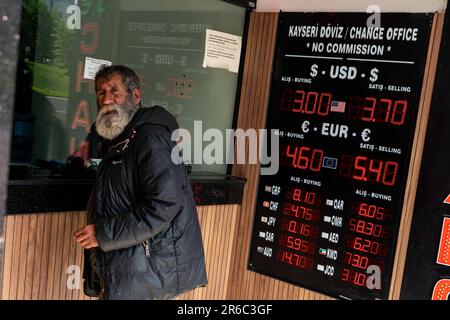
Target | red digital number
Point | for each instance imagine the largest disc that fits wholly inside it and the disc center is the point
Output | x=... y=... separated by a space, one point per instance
x=297 y=193
x=297 y=244
x=370 y=109
x=390 y=173
x=375 y=171
x=354 y=277
x=316 y=160
x=373 y=211
x=359 y=170
x=311 y=102
x=297 y=106
x=399 y=113
x=366 y=245
x=304 y=158
x=302 y=196
x=364 y=169
x=324 y=104
x=297 y=227
x=356 y=260
x=300 y=101
x=301 y=212
x=362 y=262
x=369 y=228
x=296 y=260
x=383 y=111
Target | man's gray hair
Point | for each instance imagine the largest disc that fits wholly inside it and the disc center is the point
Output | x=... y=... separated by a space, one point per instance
x=129 y=77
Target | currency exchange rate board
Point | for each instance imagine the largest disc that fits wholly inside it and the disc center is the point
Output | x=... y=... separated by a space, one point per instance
x=344 y=102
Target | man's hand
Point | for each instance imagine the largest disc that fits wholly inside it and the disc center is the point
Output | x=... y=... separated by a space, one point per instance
x=86 y=236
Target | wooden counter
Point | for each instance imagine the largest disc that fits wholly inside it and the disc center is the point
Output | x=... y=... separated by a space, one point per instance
x=41 y=255
x=39 y=247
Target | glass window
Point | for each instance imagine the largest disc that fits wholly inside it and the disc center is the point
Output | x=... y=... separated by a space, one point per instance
x=163 y=41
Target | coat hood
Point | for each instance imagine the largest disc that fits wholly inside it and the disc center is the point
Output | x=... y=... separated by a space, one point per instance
x=155 y=115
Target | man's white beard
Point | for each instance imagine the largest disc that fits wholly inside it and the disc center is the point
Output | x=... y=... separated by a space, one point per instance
x=112 y=119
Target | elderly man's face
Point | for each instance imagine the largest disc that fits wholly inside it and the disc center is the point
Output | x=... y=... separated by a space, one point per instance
x=111 y=91
x=116 y=106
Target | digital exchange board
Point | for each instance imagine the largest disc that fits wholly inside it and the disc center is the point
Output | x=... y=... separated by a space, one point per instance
x=344 y=103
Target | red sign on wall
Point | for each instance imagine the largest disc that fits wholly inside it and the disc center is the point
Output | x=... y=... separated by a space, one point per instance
x=441 y=290
x=447 y=200
x=444 y=244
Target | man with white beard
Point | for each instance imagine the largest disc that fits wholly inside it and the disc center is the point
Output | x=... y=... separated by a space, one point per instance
x=143 y=229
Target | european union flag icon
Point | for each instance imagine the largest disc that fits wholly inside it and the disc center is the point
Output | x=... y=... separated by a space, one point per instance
x=330 y=163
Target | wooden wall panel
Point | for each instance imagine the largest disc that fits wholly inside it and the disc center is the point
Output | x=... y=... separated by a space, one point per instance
x=252 y=114
x=39 y=248
x=217 y=223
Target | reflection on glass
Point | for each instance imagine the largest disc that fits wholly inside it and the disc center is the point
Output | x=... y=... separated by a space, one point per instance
x=163 y=42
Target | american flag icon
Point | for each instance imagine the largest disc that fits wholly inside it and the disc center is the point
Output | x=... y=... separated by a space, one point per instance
x=337 y=106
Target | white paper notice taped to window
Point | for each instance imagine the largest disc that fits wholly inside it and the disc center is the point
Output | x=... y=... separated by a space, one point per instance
x=91 y=66
x=222 y=50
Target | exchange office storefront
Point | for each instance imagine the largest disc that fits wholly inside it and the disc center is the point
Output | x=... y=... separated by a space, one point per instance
x=343 y=216
x=62 y=44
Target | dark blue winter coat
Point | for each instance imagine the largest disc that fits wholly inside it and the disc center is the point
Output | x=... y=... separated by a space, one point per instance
x=145 y=216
